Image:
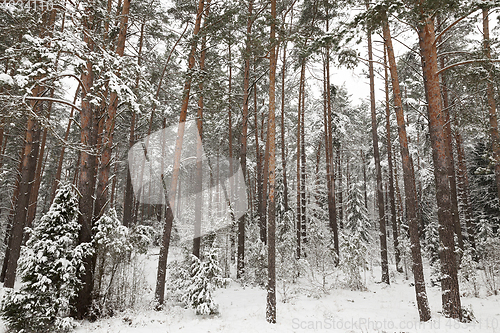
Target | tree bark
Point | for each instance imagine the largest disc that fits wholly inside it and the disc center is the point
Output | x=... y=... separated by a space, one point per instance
x=450 y=155
x=162 y=260
x=330 y=179
x=449 y=281
x=29 y=160
x=376 y=154
x=87 y=172
x=495 y=136
x=464 y=189
x=299 y=160
x=392 y=199
x=340 y=188
x=409 y=183
x=57 y=177
x=283 y=144
x=107 y=144
x=260 y=194
x=28 y=169
x=199 y=154
x=244 y=133
x=38 y=178
x=271 y=282
x=303 y=165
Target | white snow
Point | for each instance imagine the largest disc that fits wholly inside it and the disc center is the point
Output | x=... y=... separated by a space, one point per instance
x=6 y=79
x=242 y=309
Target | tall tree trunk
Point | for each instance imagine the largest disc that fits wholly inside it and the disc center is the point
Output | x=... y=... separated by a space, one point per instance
x=38 y=178
x=330 y=179
x=244 y=133
x=105 y=167
x=283 y=145
x=271 y=250
x=376 y=154
x=449 y=281
x=409 y=183
x=230 y=127
x=2 y=129
x=28 y=169
x=260 y=194
x=86 y=178
x=162 y=260
x=29 y=160
x=299 y=160
x=340 y=187
x=199 y=154
x=451 y=166
x=128 y=196
x=392 y=199
x=363 y=161
x=57 y=177
x=450 y=155
x=464 y=189
x=8 y=230
x=495 y=137
x=303 y=165
x=132 y=216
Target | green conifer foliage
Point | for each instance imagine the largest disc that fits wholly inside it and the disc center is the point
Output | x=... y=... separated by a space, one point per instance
x=50 y=265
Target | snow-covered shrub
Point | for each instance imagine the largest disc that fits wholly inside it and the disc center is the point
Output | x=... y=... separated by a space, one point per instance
x=197 y=283
x=179 y=276
x=206 y=275
x=49 y=267
x=318 y=263
x=119 y=278
x=405 y=250
x=354 y=240
x=287 y=267
x=468 y=273
x=489 y=259
x=255 y=256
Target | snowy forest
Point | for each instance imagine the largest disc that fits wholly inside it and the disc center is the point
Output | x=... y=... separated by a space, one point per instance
x=249 y=166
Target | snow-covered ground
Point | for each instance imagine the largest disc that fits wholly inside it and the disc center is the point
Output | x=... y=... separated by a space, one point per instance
x=242 y=309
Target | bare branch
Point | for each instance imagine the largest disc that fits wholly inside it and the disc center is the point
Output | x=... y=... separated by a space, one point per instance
x=466 y=63
x=438 y=37
x=48 y=99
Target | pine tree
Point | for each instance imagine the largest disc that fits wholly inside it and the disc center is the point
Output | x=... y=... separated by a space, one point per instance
x=50 y=268
x=355 y=239
x=198 y=286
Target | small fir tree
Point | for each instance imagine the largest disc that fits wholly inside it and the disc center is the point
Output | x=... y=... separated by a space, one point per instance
x=49 y=267
x=355 y=238
x=198 y=286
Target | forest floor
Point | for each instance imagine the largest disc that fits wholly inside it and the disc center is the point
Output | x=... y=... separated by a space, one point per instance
x=380 y=308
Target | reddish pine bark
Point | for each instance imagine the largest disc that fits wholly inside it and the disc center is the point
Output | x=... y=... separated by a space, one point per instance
x=109 y=126
x=409 y=183
x=199 y=156
x=449 y=280
x=162 y=260
x=376 y=154
x=57 y=177
x=495 y=136
x=392 y=199
x=464 y=189
x=244 y=132
x=271 y=250
x=330 y=179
